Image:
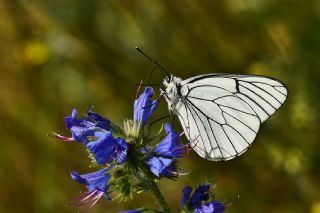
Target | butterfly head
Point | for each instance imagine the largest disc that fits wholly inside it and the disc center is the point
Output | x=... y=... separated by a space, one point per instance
x=171 y=80
x=171 y=90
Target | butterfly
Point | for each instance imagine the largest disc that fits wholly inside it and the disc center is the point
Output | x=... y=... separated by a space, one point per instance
x=221 y=113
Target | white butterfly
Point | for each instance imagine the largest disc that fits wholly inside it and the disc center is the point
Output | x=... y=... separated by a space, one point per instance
x=221 y=113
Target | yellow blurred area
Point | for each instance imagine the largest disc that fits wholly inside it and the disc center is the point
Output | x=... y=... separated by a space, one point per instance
x=315 y=208
x=59 y=55
x=32 y=52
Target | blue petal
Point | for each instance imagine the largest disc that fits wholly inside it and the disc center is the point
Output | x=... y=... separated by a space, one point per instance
x=93 y=181
x=121 y=150
x=81 y=134
x=103 y=148
x=71 y=121
x=200 y=194
x=213 y=207
x=169 y=146
x=186 y=192
x=169 y=171
x=144 y=107
x=195 y=202
x=101 y=121
x=158 y=165
x=218 y=206
x=204 y=209
x=74 y=121
x=106 y=148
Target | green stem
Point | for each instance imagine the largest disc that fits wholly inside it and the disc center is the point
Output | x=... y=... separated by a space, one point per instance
x=153 y=187
x=142 y=172
x=159 y=197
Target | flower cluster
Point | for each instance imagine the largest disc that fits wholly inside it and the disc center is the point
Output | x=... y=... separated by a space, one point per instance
x=131 y=158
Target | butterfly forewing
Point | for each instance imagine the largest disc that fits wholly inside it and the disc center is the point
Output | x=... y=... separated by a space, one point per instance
x=264 y=94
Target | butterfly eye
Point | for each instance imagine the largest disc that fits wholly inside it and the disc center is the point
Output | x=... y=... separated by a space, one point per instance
x=168 y=79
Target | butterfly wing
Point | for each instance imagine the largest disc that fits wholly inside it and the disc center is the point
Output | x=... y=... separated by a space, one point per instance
x=221 y=114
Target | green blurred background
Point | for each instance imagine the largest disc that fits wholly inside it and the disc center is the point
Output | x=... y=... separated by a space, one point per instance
x=59 y=55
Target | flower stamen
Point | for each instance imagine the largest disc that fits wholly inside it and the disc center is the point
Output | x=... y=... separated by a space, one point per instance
x=61 y=137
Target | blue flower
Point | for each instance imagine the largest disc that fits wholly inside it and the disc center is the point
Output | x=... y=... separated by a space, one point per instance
x=94 y=131
x=197 y=201
x=144 y=107
x=97 y=185
x=84 y=127
x=164 y=157
x=106 y=148
x=200 y=194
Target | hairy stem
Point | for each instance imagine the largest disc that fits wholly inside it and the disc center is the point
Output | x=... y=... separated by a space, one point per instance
x=162 y=202
x=153 y=187
x=142 y=172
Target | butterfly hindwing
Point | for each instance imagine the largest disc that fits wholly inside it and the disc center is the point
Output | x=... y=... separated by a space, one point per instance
x=221 y=114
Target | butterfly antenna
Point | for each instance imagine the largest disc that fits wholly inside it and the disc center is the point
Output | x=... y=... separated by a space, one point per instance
x=150 y=76
x=153 y=61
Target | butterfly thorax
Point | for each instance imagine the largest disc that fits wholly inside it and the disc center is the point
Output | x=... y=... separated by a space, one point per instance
x=172 y=91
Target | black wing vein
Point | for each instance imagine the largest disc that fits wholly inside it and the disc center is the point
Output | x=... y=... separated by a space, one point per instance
x=204 y=128
x=262 y=98
x=216 y=123
x=198 y=131
x=218 y=146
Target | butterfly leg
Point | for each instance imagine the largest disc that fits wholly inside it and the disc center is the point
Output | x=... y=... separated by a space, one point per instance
x=173 y=119
x=157 y=120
